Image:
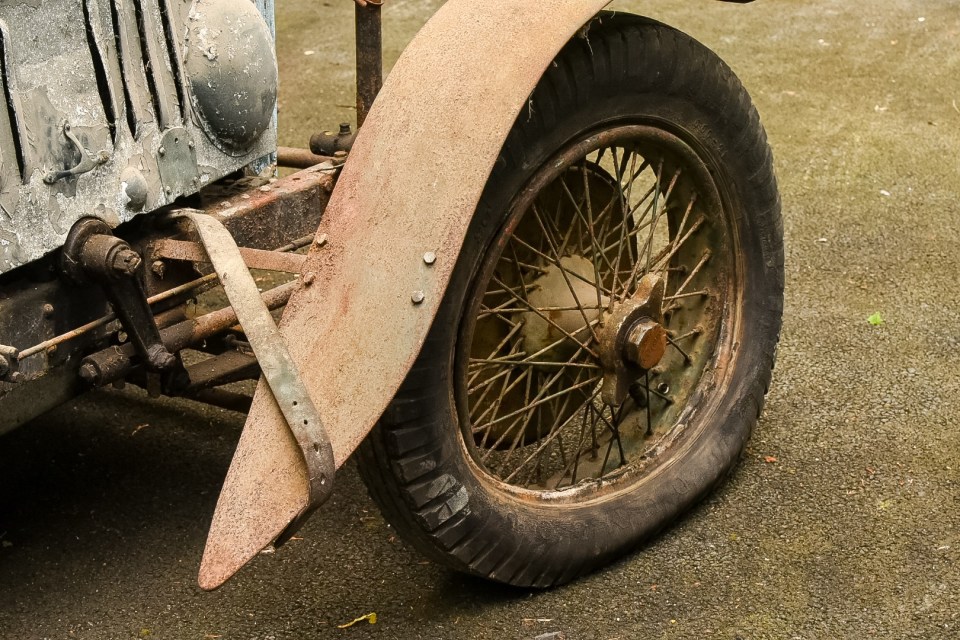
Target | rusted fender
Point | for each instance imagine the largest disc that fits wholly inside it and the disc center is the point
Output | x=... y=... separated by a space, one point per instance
x=410 y=188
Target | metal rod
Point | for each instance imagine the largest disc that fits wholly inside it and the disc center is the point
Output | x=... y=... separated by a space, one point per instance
x=299 y=243
x=299 y=158
x=163 y=295
x=183 y=334
x=114 y=363
x=254 y=258
x=110 y=317
x=369 y=57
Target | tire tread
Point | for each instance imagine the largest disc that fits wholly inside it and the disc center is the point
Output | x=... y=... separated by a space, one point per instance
x=407 y=471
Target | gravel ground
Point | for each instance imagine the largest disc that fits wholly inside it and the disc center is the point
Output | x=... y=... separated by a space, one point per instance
x=842 y=520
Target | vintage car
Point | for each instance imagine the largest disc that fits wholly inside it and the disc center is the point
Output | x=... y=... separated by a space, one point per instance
x=537 y=293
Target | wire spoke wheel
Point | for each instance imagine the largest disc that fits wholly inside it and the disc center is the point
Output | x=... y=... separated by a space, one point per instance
x=603 y=349
x=610 y=209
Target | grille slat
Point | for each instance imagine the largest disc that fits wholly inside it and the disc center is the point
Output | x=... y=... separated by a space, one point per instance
x=160 y=79
x=136 y=88
x=10 y=126
x=106 y=91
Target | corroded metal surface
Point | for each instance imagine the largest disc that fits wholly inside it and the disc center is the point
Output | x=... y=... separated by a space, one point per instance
x=254 y=258
x=632 y=337
x=410 y=188
x=290 y=396
x=54 y=325
x=252 y=217
x=369 y=44
x=298 y=158
x=92 y=88
x=115 y=362
x=268 y=214
x=233 y=92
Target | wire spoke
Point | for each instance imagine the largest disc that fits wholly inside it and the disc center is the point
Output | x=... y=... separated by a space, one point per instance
x=688 y=334
x=566 y=277
x=646 y=386
x=601 y=219
x=597 y=252
x=506 y=339
x=689 y=294
x=548 y=440
x=496 y=404
x=531 y=363
x=559 y=438
x=504 y=390
x=526 y=375
x=537 y=403
x=624 y=206
x=556 y=264
x=554 y=324
x=593 y=237
x=693 y=273
x=575 y=462
x=526 y=310
x=673 y=343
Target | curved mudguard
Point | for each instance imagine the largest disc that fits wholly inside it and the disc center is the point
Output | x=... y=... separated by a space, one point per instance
x=368 y=293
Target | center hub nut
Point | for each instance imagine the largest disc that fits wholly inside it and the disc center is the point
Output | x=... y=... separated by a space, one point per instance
x=645 y=344
x=632 y=340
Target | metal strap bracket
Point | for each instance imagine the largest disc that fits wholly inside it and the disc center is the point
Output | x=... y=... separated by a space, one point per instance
x=279 y=368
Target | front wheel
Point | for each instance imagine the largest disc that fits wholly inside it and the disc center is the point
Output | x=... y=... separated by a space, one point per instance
x=603 y=350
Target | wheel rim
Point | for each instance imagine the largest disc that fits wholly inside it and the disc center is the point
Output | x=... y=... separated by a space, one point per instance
x=605 y=212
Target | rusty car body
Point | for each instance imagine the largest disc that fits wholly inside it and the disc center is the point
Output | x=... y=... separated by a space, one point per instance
x=138 y=157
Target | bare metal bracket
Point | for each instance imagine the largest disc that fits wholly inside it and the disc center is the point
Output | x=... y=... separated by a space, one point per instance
x=177 y=162
x=88 y=159
x=279 y=369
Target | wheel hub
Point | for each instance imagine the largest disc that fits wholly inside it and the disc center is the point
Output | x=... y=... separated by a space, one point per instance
x=646 y=343
x=633 y=340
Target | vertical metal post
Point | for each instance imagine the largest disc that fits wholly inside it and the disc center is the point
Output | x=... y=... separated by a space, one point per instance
x=369 y=56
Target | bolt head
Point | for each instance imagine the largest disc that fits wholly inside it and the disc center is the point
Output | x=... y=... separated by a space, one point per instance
x=308 y=278
x=429 y=257
x=162 y=151
x=126 y=262
x=48 y=310
x=159 y=358
x=646 y=343
x=418 y=297
x=88 y=373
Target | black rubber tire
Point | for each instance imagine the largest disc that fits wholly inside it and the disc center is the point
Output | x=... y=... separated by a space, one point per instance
x=414 y=463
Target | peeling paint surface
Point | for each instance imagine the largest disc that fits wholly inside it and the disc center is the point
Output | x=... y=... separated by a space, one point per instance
x=113 y=73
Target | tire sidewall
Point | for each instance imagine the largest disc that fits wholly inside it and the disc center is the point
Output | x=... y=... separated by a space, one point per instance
x=538 y=534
